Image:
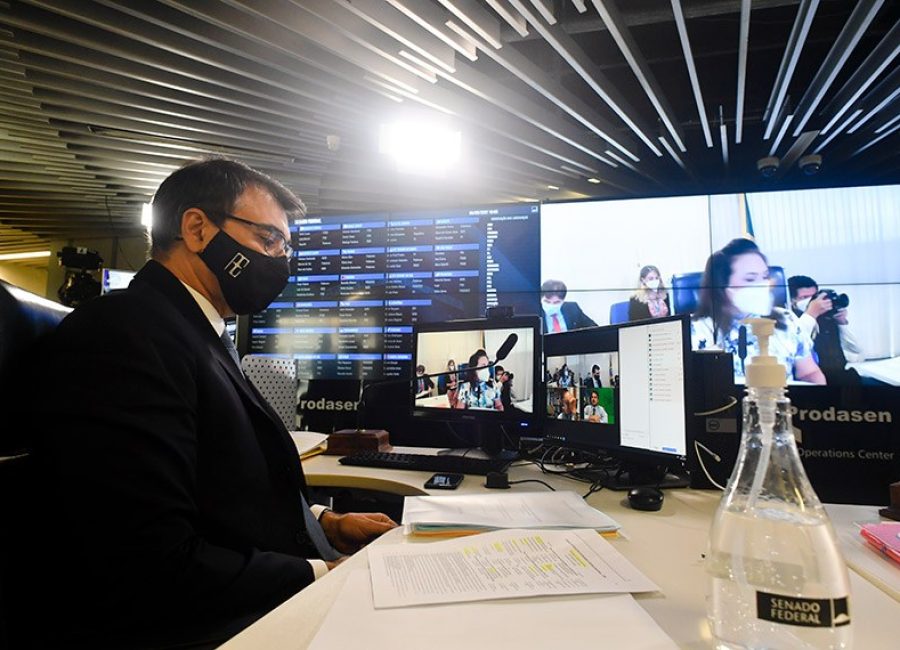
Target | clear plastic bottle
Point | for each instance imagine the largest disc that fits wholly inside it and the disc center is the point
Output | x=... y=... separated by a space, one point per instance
x=777 y=578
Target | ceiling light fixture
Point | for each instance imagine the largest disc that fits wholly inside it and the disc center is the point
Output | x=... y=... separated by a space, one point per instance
x=837 y=56
x=595 y=181
x=12 y=257
x=742 y=70
x=692 y=69
x=147 y=216
x=802 y=23
x=675 y=156
x=838 y=130
x=420 y=148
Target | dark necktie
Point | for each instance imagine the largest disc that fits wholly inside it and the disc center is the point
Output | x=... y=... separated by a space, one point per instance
x=317 y=535
x=232 y=351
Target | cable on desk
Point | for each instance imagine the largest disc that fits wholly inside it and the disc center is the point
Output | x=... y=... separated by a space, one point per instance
x=596 y=486
x=533 y=480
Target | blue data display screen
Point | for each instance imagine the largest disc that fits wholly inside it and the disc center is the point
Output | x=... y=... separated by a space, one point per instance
x=360 y=282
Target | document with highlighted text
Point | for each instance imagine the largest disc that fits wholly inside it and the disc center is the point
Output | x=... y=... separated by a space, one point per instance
x=514 y=563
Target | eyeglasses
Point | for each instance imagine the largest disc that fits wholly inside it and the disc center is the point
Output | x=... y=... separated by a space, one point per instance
x=272 y=238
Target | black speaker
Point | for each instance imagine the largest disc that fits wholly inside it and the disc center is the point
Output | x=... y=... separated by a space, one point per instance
x=715 y=433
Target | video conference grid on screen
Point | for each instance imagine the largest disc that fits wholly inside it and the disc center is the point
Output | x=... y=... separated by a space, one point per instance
x=359 y=283
x=592 y=253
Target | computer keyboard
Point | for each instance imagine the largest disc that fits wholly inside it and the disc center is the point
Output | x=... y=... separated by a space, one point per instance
x=425 y=462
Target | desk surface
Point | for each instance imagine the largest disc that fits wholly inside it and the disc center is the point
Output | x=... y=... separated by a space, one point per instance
x=666 y=545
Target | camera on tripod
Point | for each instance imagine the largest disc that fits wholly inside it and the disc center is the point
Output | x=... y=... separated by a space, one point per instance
x=79 y=285
x=838 y=300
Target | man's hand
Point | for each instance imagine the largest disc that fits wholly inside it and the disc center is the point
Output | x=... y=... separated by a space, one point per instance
x=841 y=317
x=819 y=305
x=351 y=531
x=331 y=564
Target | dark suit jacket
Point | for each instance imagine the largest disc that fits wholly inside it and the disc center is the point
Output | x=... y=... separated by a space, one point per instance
x=574 y=317
x=173 y=490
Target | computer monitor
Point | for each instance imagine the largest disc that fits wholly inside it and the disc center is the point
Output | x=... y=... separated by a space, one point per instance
x=622 y=390
x=115 y=280
x=488 y=376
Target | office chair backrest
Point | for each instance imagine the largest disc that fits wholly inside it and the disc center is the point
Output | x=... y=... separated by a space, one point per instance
x=686 y=290
x=618 y=313
x=25 y=319
x=276 y=380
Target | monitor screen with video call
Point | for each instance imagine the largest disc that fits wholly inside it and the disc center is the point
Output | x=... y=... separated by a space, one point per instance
x=486 y=368
x=621 y=389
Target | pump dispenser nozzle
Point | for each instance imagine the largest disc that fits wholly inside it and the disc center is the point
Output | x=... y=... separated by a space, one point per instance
x=764 y=371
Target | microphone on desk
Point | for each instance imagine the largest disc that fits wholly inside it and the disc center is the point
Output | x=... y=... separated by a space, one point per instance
x=349 y=440
x=742 y=346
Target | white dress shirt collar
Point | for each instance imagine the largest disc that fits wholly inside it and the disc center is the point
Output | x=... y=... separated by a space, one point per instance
x=217 y=322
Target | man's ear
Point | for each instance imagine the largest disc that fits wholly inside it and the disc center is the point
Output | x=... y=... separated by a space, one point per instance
x=196 y=229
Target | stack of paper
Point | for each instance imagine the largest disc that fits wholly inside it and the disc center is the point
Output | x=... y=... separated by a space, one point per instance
x=577 y=621
x=309 y=443
x=466 y=514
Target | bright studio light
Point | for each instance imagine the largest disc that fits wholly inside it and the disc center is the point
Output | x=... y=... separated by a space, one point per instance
x=420 y=148
x=147 y=216
x=11 y=257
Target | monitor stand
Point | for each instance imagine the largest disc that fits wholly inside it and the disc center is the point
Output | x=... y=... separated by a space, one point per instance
x=491 y=439
x=631 y=475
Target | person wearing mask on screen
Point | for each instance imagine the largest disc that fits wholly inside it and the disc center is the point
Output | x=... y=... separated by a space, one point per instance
x=650 y=299
x=179 y=508
x=593 y=380
x=497 y=379
x=735 y=286
x=565 y=377
x=593 y=412
x=424 y=385
x=828 y=327
x=447 y=382
x=559 y=314
x=474 y=391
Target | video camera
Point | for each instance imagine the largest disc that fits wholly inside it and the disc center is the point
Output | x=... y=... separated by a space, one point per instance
x=79 y=257
x=79 y=285
x=838 y=300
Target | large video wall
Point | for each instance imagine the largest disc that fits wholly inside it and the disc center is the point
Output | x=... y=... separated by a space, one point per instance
x=360 y=282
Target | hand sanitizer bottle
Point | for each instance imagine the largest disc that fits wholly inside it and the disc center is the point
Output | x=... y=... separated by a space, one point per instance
x=777 y=579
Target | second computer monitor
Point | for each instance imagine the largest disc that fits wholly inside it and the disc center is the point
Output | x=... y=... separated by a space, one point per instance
x=621 y=390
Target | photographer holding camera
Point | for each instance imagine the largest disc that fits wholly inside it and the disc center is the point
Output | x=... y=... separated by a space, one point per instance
x=823 y=316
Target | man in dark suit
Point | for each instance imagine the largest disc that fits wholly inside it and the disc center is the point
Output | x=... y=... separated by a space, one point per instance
x=177 y=509
x=593 y=380
x=559 y=315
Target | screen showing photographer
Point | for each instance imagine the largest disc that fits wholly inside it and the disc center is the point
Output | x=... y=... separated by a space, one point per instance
x=823 y=316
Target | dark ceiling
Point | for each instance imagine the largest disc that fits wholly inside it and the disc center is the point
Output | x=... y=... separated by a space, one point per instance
x=99 y=101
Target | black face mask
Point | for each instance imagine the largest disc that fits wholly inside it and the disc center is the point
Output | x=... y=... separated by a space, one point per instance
x=249 y=280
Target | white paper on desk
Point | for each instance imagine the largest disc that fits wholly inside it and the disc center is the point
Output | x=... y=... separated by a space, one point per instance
x=501 y=564
x=562 y=509
x=587 y=621
x=307 y=441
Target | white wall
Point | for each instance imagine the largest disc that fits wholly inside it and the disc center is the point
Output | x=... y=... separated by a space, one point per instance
x=25 y=277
